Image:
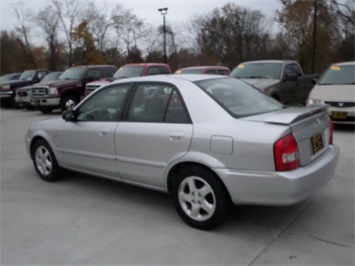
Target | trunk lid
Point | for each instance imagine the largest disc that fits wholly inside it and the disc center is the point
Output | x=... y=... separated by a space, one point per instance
x=309 y=125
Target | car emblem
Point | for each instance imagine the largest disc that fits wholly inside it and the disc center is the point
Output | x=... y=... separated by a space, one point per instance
x=341 y=104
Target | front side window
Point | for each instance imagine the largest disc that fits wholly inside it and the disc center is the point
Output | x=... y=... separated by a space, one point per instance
x=106 y=105
x=94 y=73
x=157 y=103
x=238 y=98
x=339 y=75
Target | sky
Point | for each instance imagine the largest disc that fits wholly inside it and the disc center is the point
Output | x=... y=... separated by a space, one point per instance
x=179 y=11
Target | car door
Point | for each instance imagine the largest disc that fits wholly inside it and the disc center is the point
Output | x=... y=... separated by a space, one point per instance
x=288 y=87
x=87 y=143
x=156 y=131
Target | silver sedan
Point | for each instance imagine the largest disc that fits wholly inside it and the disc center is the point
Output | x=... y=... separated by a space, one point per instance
x=207 y=140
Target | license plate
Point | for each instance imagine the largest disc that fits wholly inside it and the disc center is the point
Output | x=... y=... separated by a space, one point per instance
x=339 y=115
x=317 y=143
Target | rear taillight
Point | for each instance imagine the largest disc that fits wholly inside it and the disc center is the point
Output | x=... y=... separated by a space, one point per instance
x=286 y=154
x=331 y=129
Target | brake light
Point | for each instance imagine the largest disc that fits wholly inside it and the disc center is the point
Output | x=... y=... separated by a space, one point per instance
x=331 y=129
x=286 y=154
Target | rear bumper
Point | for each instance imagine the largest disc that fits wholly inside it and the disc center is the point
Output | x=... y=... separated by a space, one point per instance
x=280 y=188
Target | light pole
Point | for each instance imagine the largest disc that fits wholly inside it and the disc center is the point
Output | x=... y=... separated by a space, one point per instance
x=164 y=11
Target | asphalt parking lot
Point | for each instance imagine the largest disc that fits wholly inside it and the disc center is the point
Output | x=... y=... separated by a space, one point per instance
x=86 y=220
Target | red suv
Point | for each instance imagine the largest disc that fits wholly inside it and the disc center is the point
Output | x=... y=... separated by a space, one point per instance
x=131 y=70
x=67 y=91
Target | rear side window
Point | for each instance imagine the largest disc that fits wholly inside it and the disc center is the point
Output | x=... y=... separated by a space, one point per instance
x=158 y=103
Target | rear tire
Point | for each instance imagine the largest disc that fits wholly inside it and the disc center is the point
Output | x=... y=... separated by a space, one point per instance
x=45 y=162
x=200 y=198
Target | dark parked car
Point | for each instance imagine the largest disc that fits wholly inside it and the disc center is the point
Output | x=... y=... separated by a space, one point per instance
x=284 y=80
x=12 y=76
x=8 y=88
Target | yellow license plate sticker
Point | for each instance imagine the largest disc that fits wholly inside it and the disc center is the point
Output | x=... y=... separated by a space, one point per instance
x=317 y=143
x=339 y=115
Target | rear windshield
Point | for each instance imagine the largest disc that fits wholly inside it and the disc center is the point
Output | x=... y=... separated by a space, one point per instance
x=258 y=71
x=128 y=72
x=339 y=75
x=238 y=98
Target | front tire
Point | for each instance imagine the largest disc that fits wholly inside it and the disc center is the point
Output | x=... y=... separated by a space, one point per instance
x=45 y=110
x=68 y=103
x=45 y=162
x=200 y=198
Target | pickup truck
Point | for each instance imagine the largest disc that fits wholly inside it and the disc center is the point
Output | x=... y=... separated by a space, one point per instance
x=67 y=91
x=284 y=80
x=8 y=88
x=131 y=70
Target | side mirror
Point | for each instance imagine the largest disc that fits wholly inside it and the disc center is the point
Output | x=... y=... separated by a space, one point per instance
x=69 y=116
x=293 y=76
x=314 y=81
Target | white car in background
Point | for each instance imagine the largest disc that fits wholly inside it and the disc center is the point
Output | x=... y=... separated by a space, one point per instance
x=336 y=88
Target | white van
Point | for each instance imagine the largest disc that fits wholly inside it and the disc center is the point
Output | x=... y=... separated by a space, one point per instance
x=336 y=88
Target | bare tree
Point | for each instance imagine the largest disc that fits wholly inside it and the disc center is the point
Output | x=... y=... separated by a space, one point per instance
x=24 y=17
x=69 y=13
x=129 y=29
x=48 y=21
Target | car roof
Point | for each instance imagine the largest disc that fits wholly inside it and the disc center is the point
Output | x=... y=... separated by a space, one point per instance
x=170 y=78
x=204 y=67
x=270 y=61
x=348 y=63
x=145 y=64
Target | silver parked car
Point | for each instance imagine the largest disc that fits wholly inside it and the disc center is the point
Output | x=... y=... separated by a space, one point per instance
x=207 y=140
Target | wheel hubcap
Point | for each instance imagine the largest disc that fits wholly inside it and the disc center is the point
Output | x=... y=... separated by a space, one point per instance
x=70 y=104
x=43 y=160
x=196 y=198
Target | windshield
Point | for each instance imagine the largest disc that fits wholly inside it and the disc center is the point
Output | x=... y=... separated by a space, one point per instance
x=339 y=75
x=258 y=71
x=73 y=74
x=238 y=98
x=128 y=71
x=51 y=76
x=27 y=75
x=6 y=77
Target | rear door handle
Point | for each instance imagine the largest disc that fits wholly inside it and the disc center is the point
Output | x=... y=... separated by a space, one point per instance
x=176 y=135
x=104 y=131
